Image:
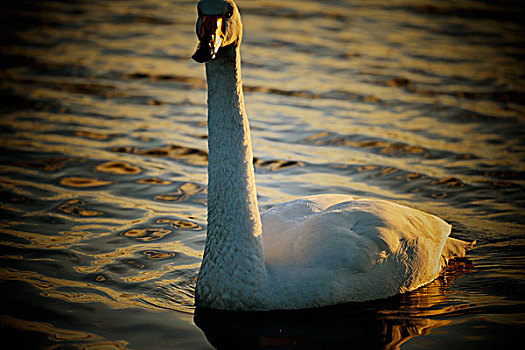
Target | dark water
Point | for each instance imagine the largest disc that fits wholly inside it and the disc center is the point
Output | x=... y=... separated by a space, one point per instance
x=103 y=164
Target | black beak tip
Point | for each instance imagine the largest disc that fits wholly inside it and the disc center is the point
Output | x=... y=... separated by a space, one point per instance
x=198 y=58
x=203 y=54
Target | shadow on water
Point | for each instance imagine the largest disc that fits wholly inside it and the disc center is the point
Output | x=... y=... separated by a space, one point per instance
x=380 y=324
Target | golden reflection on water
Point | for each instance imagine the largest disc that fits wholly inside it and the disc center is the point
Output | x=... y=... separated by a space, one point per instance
x=181 y=224
x=76 y=207
x=77 y=181
x=155 y=181
x=118 y=168
x=75 y=292
x=147 y=235
x=36 y=240
x=65 y=335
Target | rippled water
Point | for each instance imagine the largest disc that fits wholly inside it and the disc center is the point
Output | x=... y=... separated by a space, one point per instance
x=103 y=164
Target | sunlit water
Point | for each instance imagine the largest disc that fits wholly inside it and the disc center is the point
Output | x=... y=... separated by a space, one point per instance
x=104 y=153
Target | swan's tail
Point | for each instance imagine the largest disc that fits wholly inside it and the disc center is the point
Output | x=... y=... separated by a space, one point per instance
x=453 y=249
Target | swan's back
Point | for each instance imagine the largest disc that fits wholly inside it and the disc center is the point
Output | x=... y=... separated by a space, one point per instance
x=350 y=249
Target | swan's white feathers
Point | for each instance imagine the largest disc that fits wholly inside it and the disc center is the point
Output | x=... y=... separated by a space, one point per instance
x=350 y=248
x=313 y=251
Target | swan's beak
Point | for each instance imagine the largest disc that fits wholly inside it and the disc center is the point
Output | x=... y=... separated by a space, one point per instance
x=211 y=36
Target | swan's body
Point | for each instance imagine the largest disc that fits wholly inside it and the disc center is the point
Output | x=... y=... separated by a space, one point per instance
x=314 y=251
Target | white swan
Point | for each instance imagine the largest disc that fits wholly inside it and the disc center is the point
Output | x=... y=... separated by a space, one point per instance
x=310 y=252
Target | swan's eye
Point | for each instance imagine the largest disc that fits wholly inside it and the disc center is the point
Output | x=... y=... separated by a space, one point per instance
x=229 y=13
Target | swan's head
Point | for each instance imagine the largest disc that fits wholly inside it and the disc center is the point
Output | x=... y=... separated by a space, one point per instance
x=219 y=25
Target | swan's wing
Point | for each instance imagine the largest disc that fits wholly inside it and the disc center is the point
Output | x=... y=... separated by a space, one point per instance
x=357 y=237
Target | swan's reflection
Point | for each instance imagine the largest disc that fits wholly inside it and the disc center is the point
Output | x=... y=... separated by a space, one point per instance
x=381 y=324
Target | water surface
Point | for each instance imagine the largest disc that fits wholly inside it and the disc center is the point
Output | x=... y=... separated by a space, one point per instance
x=103 y=164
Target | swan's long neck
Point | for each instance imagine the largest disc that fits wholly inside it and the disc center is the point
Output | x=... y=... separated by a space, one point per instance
x=232 y=274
